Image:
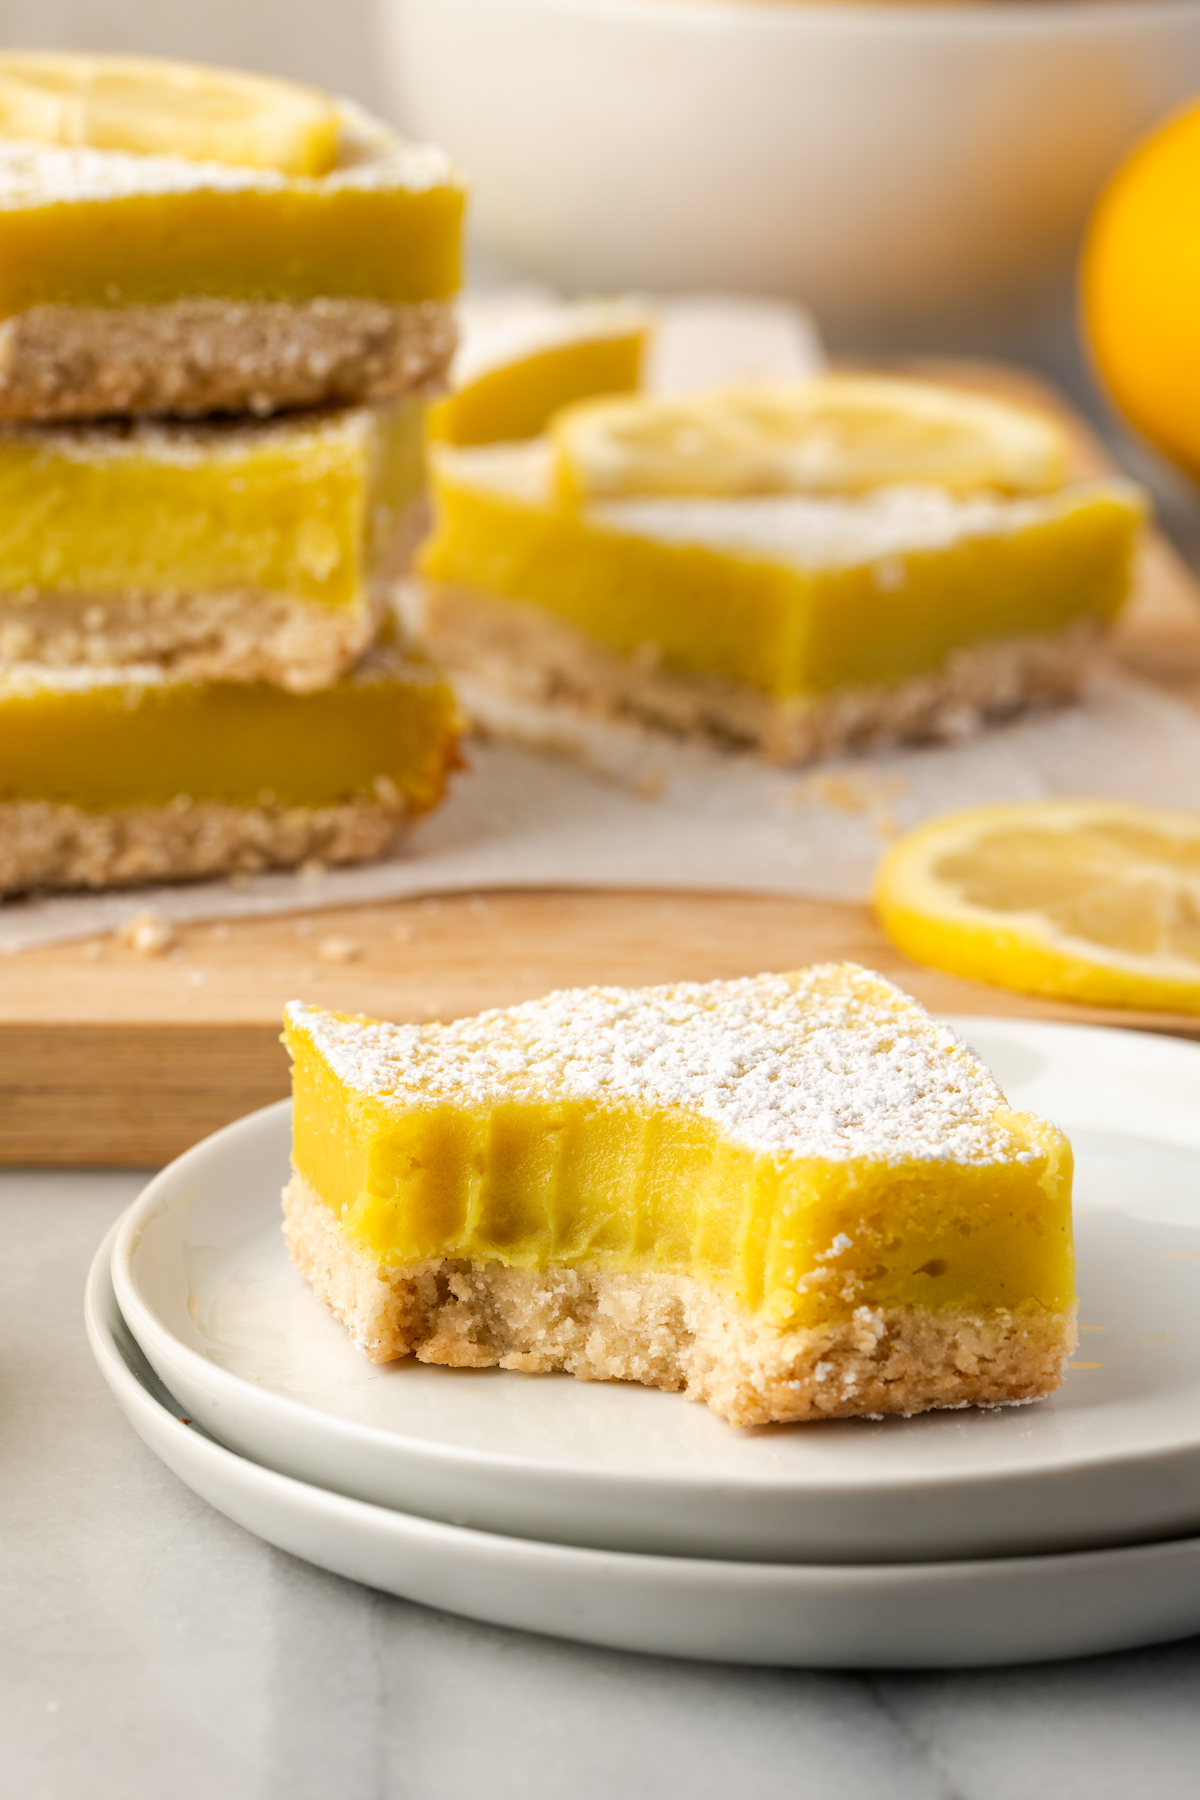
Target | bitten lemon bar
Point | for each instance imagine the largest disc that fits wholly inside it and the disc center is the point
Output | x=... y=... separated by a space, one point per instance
x=114 y=776
x=793 y=1196
x=235 y=550
x=156 y=258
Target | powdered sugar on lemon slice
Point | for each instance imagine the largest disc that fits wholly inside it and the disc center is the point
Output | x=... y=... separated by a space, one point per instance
x=161 y=108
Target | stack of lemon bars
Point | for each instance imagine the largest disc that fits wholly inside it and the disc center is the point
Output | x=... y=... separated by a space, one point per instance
x=222 y=301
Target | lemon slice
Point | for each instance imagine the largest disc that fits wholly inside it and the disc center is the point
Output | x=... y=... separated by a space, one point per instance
x=161 y=108
x=838 y=434
x=523 y=356
x=1088 y=900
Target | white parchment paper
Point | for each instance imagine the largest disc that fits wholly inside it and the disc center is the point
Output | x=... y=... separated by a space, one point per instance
x=690 y=819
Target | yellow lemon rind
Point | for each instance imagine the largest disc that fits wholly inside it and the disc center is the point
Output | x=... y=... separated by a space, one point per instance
x=987 y=947
x=1013 y=960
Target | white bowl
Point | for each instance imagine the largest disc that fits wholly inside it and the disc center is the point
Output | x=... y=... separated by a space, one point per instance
x=888 y=164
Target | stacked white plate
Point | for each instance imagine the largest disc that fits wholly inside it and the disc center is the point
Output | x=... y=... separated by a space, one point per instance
x=620 y=1516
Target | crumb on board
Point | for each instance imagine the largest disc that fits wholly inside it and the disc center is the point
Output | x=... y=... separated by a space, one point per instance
x=651 y=784
x=336 y=949
x=147 y=934
x=851 y=790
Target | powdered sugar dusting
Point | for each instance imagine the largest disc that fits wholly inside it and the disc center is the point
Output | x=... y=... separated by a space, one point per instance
x=38 y=174
x=828 y=532
x=804 y=531
x=832 y=1062
x=28 y=680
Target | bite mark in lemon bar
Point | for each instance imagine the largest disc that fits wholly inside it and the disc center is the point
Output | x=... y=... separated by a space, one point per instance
x=793 y=1197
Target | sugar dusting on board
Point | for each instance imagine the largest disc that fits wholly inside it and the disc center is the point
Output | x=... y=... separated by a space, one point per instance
x=833 y=1062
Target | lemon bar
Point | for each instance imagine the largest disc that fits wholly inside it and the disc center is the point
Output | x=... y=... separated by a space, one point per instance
x=523 y=355
x=115 y=776
x=793 y=1196
x=159 y=283
x=258 y=549
x=792 y=624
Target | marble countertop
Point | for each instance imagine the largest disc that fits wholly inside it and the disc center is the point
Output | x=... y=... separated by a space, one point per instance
x=149 y=1647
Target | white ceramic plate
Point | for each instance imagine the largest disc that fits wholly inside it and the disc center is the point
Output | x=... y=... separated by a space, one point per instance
x=912 y=1615
x=203 y=1279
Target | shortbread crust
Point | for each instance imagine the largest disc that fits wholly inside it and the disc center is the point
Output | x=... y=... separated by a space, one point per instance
x=525 y=675
x=46 y=847
x=196 y=356
x=670 y=1332
x=231 y=636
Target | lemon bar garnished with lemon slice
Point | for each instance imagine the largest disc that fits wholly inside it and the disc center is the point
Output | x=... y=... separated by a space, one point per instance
x=114 y=776
x=794 y=569
x=1089 y=900
x=239 y=550
x=181 y=239
x=793 y=1196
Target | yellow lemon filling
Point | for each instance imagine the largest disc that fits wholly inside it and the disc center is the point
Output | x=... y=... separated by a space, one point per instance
x=117 y=738
x=305 y=506
x=794 y=594
x=807 y=1144
x=91 y=227
x=238 y=550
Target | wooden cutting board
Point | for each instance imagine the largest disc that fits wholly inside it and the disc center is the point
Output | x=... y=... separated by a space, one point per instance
x=108 y=1055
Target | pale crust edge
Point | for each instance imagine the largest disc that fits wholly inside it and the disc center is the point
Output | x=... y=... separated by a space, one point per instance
x=524 y=674
x=47 y=847
x=197 y=356
x=672 y=1332
x=238 y=634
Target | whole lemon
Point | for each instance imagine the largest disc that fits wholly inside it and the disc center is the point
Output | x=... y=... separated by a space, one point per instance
x=1141 y=288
